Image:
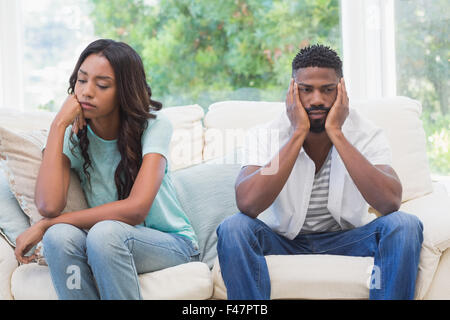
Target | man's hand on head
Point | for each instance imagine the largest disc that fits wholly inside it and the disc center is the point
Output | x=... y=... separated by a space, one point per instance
x=339 y=111
x=295 y=110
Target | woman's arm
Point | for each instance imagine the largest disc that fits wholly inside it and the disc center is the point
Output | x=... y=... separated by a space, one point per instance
x=53 y=178
x=54 y=174
x=132 y=210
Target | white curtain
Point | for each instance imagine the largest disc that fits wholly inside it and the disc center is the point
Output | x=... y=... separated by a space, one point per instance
x=368 y=29
x=11 y=55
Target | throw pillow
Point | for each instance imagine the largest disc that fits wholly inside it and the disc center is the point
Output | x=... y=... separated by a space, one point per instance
x=20 y=157
x=206 y=193
x=12 y=219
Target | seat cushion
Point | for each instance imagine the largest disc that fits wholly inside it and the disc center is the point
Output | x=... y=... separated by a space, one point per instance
x=8 y=264
x=186 y=281
x=312 y=277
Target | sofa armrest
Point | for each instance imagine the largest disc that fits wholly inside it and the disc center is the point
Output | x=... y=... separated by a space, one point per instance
x=434 y=211
x=8 y=264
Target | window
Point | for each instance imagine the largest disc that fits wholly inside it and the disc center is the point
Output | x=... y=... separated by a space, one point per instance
x=422 y=43
x=54 y=34
x=205 y=51
x=193 y=51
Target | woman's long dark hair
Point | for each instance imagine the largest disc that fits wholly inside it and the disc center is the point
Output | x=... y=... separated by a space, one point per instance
x=135 y=104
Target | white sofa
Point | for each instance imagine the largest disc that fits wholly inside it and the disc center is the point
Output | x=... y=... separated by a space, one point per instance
x=204 y=149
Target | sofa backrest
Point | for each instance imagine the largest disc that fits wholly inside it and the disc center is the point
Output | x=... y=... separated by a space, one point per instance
x=226 y=123
x=186 y=148
x=399 y=117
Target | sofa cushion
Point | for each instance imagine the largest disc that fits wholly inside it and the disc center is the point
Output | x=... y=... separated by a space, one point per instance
x=189 y=281
x=186 y=281
x=12 y=219
x=206 y=193
x=433 y=210
x=399 y=117
x=311 y=277
x=21 y=157
x=19 y=121
x=227 y=122
x=186 y=145
x=440 y=287
x=8 y=264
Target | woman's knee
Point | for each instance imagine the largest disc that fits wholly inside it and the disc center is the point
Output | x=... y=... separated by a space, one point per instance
x=63 y=237
x=105 y=236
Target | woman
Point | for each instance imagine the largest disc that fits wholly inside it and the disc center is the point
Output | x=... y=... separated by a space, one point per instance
x=110 y=132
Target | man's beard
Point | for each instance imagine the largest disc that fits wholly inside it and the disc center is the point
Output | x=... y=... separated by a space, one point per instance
x=317 y=125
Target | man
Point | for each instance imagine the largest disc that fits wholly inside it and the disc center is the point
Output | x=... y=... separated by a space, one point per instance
x=331 y=165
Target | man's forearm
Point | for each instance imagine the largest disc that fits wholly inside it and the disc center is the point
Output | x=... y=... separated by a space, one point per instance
x=380 y=189
x=258 y=190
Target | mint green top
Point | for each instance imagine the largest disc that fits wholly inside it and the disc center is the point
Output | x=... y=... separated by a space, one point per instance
x=166 y=213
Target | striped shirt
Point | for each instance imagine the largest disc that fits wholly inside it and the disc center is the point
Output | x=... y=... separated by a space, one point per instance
x=318 y=218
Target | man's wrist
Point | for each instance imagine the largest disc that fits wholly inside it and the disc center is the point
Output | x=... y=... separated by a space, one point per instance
x=299 y=134
x=334 y=134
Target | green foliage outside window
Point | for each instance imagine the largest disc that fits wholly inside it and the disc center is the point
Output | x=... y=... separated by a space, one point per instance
x=423 y=53
x=201 y=51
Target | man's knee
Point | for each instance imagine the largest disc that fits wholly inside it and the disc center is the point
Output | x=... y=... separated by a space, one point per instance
x=405 y=225
x=237 y=226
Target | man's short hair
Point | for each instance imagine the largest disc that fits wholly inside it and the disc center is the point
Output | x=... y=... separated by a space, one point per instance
x=317 y=55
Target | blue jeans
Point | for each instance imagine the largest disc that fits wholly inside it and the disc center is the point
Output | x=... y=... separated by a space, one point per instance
x=393 y=240
x=104 y=262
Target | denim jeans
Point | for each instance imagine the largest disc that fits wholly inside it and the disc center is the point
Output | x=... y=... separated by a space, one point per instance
x=104 y=262
x=393 y=240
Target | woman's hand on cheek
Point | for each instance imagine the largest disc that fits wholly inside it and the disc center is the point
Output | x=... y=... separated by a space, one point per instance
x=71 y=113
